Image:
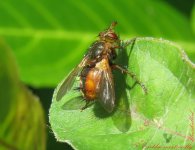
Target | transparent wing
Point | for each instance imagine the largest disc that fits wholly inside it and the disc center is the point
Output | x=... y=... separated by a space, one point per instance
x=74 y=104
x=106 y=94
x=67 y=84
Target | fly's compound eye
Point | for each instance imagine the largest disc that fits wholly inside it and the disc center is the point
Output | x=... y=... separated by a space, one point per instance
x=112 y=36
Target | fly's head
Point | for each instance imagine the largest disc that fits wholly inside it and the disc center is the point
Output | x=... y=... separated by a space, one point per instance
x=111 y=40
x=109 y=35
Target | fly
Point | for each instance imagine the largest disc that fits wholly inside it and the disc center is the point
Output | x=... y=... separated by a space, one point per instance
x=95 y=71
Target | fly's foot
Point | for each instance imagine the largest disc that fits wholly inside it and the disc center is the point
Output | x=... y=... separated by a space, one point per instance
x=143 y=87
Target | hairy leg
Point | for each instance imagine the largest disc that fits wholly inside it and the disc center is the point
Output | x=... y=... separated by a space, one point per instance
x=124 y=44
x=86 y=105
x=132 y=75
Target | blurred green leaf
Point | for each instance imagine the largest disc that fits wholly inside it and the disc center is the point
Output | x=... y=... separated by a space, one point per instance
x=22 y=123
x=170 y=79
x=191 y=53
x=50 y=37
x=193 y=18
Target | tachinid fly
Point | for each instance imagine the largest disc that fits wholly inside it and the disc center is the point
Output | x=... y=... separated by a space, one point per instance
x=95 y=71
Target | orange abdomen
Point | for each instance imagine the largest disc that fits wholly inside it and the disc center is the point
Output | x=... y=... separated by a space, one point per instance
x=91 y=84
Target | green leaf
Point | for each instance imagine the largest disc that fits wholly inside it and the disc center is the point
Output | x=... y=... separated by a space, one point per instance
x=50 y=37
x=191 y=51
x=159 y=118
x=22 y=123
x=193 y=18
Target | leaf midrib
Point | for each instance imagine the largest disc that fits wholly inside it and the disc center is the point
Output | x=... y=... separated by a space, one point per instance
x=53 y=34
x=62 y=34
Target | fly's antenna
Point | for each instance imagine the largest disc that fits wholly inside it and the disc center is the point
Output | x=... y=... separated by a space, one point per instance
x=113 y=24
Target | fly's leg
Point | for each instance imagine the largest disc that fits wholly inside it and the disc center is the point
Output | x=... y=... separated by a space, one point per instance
x=133 y=76
x=86 y=105
x=78 y=88
x=124 y=44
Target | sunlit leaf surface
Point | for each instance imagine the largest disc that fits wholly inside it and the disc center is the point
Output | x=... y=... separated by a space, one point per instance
x=162 y=117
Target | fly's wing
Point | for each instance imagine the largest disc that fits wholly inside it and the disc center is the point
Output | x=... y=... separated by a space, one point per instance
x=67 y=84
x=74 y=104
x=106 y=94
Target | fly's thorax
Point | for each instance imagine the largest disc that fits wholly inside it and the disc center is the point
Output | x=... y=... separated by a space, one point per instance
x=101 y=49
x=96 y=49
x=110 y=50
